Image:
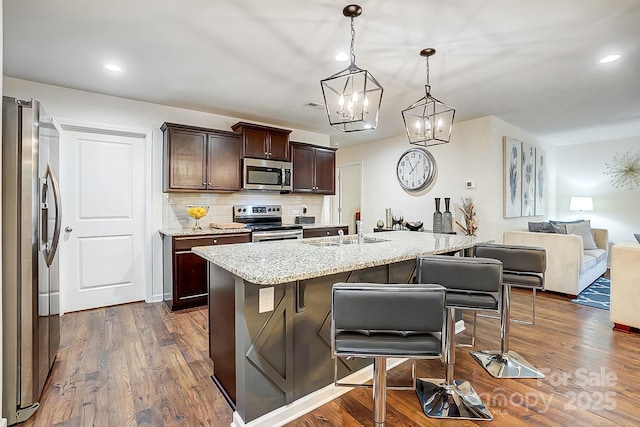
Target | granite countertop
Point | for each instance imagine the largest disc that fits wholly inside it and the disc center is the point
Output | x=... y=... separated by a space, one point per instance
x=277 y=262
x=204 y=231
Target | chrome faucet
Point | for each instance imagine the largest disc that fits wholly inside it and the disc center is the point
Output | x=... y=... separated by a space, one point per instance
x=340 y=237
x=360 y=232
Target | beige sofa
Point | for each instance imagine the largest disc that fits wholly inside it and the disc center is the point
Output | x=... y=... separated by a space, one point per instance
x=570 y=268
x=625 y=285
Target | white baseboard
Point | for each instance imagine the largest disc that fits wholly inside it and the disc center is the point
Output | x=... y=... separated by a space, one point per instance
x=308 y=403
x=3 y=422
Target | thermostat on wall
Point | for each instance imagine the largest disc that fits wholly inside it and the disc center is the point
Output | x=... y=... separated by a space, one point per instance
x=470 y=184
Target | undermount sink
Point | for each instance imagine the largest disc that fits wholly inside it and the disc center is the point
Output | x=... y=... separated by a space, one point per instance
x=335 y=241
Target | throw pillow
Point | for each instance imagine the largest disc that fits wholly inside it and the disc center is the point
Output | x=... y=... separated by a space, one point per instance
x=637 y=237
x=583 y=229
x=560 y=228
x=542 y=227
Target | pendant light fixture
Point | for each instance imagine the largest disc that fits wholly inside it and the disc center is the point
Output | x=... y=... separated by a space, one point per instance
x=428 y=121
x=352 y=96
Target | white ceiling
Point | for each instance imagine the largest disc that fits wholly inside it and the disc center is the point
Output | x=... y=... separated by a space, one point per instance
x=530 y=63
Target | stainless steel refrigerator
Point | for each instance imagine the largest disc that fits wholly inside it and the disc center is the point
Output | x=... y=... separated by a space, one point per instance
x=31 y=215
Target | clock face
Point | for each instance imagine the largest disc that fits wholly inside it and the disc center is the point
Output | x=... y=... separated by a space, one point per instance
x=416 y=169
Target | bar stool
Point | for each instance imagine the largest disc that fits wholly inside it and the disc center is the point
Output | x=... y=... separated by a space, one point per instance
x=472 y=284
x=378 y=321
x=523 y=266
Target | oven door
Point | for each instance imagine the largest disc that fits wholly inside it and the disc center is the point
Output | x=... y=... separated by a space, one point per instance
x=266 y=236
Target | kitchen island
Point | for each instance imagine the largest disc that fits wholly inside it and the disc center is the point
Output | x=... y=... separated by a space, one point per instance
x=270 y=303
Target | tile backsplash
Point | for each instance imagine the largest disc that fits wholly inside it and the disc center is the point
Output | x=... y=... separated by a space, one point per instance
x=174 y=207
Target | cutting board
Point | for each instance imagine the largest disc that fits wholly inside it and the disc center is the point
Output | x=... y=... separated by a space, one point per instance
x=226 y=225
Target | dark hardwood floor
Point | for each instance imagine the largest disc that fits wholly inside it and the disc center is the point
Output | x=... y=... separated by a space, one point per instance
x=139 y=365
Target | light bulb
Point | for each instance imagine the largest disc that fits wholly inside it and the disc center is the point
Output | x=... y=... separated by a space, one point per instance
x=341 y=100
x=354 y=97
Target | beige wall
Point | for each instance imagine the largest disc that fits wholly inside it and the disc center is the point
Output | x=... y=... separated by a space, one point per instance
x=582 y=174
x=474 y=153
x=1 y=339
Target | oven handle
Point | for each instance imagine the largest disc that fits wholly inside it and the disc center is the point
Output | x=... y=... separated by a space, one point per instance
x=267 y=234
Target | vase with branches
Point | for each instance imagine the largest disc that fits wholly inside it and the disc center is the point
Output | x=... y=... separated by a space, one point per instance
x=469 y=212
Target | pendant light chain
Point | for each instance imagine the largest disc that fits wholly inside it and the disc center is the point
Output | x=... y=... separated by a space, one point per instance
x=353 y=39
x=427 y=58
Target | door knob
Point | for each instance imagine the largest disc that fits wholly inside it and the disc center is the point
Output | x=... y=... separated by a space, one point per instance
x=68 y=229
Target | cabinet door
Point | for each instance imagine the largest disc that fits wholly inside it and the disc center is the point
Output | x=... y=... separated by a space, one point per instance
x=186 y=160
x=223 y=163
x=191 y=278
x=303 y=169
x=255 y=143
x=325 y=171
x=278 y=145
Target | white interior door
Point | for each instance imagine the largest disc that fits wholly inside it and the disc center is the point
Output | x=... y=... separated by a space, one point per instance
x=103 y=197
x=349 y=194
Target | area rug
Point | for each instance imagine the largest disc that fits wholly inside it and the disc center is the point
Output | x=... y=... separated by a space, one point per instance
x=596 y=294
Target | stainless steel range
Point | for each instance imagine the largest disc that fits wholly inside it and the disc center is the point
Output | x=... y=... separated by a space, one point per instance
x=266 y=222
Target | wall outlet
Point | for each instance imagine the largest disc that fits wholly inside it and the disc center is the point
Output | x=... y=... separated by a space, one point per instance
x=470 y=184
x=265 y=299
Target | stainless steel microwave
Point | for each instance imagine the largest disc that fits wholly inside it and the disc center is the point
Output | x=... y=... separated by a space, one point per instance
x=261 y=174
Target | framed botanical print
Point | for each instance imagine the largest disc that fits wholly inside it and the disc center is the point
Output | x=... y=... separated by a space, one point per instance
x=512 y=178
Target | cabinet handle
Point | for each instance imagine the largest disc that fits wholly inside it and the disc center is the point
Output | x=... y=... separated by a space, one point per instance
x=269 y=153
x=204 y=183
x=215 y=241
x=328 y=233
x=209 y=184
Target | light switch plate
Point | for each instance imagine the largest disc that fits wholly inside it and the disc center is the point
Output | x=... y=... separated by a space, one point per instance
x=470 y=184
x=265 y=299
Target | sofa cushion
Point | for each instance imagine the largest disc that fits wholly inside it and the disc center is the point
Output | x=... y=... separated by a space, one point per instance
x=598 y=254
x=588 y=262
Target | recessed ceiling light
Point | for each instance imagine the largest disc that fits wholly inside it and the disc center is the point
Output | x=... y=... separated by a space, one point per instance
x=113 y=67
x=609 y=58
x=342 y=57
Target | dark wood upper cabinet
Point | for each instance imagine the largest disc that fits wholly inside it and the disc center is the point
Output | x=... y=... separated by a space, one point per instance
x=263 y=142
x=314 y=168
x=201 y=159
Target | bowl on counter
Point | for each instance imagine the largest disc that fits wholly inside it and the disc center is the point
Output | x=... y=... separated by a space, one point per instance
x=414 y=226
x=197 y=212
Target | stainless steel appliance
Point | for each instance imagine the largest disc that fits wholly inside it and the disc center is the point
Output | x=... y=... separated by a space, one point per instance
x=261 y=174
x=266 y=222
x=31 y=214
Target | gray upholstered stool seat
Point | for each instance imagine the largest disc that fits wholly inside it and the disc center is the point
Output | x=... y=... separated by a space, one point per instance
x=472 y=284
x=377 y=321
x=523 y=266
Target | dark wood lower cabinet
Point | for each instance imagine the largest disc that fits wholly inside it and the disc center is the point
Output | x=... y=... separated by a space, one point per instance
x=185 y=273
x=323 y=231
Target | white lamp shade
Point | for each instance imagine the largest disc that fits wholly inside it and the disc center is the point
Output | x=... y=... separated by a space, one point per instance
x=581 y=204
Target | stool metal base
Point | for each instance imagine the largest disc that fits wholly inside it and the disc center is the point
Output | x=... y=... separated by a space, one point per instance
x=458 y=401
x=508 y=365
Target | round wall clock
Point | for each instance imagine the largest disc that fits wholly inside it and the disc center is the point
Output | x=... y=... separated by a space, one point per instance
x=416 y=169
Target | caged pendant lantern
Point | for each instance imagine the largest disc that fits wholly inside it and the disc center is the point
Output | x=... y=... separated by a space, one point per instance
x=352 y=96
x=428 y=121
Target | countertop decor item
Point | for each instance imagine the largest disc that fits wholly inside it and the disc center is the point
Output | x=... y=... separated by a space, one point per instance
x=428 y=121
x=447 y=224
x=437 y=218
x=414 y=226
x=416 y=169
x=380 y=223
x=352 y=96
x=197 y=212
x=469 y=211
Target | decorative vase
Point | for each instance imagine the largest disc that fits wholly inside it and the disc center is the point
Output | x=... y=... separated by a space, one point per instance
x=447 y=219
x=437 y=217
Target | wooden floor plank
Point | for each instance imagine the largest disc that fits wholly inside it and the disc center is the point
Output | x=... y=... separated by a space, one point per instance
x=140 y=365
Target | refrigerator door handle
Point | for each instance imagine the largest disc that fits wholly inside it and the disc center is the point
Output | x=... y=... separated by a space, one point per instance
x=50 y=252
